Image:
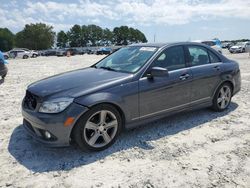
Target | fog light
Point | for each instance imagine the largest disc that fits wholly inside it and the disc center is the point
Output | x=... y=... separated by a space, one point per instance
x=47 y=135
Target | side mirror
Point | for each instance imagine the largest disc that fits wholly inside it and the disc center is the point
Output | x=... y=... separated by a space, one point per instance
x=157 y=72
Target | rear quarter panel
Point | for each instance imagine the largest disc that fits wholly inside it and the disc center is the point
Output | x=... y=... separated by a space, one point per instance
x=231 y=72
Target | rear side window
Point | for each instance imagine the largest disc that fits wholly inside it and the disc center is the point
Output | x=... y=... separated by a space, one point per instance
x=198 y=55
x=213 y=58
x=171 y=58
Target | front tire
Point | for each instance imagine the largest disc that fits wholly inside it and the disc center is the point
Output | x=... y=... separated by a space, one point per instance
x=98 y=128
x=25 y=57
x=222 y=98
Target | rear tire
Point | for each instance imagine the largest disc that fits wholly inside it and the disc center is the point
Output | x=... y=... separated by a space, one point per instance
x=222 y=98
x=98 y=128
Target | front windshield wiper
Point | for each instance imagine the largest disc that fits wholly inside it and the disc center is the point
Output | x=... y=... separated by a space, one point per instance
x=107 y=68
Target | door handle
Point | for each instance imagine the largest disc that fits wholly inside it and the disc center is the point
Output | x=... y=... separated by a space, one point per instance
x=184 y=76
x=217 y=68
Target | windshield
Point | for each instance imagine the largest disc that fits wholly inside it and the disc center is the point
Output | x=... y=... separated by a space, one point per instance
x=128 y=59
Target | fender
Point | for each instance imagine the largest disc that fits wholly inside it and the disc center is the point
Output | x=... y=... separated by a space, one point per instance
x=97 y=98
x=127 y=103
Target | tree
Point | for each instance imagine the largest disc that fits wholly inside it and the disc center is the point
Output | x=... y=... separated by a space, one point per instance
x=95 y=34
x=121 y=35
x=75 y=36
x=6 y=39
x=124 y=35
x=92 y=35
x=88 y=35
x=35 y=36
x=62 y=39
x=107 y=38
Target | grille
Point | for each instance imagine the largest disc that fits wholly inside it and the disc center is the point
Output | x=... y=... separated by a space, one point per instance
x=30 y=101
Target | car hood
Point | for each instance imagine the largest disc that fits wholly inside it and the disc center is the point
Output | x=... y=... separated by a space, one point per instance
x=78 y=83
x=235 y=47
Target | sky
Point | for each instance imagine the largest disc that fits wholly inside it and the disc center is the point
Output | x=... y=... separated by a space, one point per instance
x=159 y=20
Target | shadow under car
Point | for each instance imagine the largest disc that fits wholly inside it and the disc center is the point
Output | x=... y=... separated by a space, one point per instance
x=38 y=158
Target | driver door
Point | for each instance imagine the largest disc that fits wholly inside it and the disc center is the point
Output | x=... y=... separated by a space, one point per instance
x=159 y=95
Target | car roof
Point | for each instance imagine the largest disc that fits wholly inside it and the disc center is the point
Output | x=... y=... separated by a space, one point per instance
x=160 y=45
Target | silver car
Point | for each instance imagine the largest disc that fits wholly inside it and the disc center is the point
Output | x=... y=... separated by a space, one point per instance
x=240 y=47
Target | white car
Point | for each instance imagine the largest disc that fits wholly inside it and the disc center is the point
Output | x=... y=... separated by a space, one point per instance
x=240 y=47
x=215 y=44
x=20 y=53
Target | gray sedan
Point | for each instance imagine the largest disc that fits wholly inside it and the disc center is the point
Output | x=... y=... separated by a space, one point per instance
x=133 y=86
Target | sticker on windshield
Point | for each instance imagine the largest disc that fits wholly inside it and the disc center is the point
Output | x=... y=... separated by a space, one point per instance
x=151 y=49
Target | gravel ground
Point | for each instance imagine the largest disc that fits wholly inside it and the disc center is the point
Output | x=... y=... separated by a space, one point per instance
x=194 y=149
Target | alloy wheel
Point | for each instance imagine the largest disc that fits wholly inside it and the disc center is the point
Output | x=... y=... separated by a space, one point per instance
x=224 y=97
x=100 y=128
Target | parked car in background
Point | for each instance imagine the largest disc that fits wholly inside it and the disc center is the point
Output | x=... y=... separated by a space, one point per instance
x=20 y=53
x=240 y=47
x=227 y=45
x=135 y=85
x=215 y=44
x=70 y=51
x=104 y=50
x=61 y=52
x=49 y=52
x=81 y=51
x=34 y=53
x=90 y=51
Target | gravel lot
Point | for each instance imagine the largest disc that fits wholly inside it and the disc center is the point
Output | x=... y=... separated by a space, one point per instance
x=194 y=149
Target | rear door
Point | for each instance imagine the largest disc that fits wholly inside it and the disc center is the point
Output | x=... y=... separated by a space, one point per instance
x=162 y=94
x=206 y=70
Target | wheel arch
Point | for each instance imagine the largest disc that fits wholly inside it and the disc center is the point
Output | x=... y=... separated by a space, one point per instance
x=230 y=82
x=116 y=106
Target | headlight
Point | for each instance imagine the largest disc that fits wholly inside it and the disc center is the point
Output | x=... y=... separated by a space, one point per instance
x=55 y=105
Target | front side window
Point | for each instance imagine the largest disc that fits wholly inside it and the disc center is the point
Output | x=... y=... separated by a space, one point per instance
x=198 y=55
x=129 y=59
x=171 y=59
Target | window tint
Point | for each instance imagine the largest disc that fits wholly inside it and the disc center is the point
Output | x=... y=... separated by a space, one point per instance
x=198 y=55
x=214 y=58
x=172 y=59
